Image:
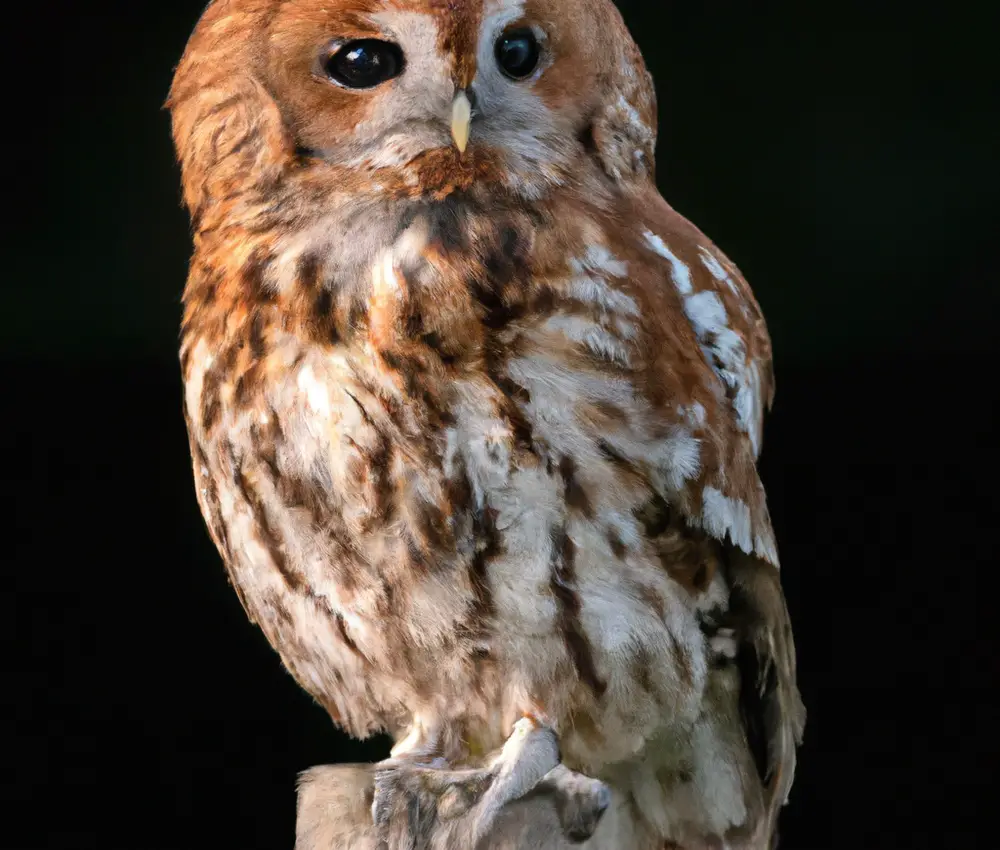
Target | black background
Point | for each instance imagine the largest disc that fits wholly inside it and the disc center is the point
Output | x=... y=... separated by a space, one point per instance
x=843 y=157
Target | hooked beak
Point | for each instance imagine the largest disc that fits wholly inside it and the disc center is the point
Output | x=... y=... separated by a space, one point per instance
x=461 y=118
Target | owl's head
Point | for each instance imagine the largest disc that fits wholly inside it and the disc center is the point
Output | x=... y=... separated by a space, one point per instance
x=411 y=95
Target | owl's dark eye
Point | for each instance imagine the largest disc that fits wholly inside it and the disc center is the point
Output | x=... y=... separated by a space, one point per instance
x=517 y=53
x=364 y=64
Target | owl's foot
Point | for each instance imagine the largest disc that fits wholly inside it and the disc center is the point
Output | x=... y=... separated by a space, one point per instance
x=424 y=807
x=580 y=801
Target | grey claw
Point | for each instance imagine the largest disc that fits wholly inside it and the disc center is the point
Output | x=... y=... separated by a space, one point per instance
x=580 y=802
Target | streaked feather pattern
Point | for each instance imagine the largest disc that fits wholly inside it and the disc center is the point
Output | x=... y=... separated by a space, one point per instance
x=476 y=436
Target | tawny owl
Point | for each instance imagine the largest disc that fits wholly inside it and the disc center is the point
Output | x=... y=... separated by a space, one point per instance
x=474 y=413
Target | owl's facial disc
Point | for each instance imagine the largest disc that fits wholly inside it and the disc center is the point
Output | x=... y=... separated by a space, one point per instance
x=387 y=88
x=490 y=90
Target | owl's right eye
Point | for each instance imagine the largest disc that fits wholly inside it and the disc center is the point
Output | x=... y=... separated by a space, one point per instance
x=364 y=64
x=518 y=53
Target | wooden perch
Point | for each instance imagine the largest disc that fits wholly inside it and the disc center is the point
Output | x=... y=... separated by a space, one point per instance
x=520 y=801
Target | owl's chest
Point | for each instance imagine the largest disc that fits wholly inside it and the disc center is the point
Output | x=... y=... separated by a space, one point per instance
x=411 y=450
x=487 y=498
x=457 y=371
x=421 y=428
x=459 y=474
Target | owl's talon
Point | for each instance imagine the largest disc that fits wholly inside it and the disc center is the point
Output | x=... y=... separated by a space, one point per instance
x=561 y=811
x=580 y=802
x=435 y=808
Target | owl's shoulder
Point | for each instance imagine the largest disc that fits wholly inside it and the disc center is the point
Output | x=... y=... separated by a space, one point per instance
x=659 y=309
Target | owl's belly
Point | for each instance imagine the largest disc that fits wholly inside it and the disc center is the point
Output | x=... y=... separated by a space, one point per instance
x=452 y=560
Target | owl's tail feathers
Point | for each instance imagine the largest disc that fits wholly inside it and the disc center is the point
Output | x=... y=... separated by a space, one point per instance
x=770 y=703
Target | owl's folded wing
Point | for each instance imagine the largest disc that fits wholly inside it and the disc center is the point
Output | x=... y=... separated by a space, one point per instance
x=713 y=365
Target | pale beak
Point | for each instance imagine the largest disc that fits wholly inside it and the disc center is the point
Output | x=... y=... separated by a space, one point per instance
x=461 y=118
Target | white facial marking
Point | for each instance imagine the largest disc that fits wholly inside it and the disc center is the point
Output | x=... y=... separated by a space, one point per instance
x=426 y=90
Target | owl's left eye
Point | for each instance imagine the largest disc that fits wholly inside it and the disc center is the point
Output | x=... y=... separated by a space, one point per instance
x=364 y=64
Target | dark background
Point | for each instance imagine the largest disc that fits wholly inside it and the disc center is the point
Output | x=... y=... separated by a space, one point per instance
x=843 y=157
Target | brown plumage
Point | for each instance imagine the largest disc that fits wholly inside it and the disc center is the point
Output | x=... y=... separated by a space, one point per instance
x=476 y=431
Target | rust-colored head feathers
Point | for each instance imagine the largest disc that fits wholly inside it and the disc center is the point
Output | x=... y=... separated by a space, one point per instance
x=260 y=94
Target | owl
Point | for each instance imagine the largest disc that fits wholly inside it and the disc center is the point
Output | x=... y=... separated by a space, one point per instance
x=474 y=413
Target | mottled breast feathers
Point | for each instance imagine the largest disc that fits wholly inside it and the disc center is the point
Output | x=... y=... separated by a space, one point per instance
x=522 y=440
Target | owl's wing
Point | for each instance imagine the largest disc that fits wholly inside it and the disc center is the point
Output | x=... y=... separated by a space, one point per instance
x=706 y=351
x=707 y=354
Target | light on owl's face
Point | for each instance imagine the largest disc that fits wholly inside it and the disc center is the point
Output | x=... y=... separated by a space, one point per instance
x=410 y=98
x=367 y=63
x=379 y=89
